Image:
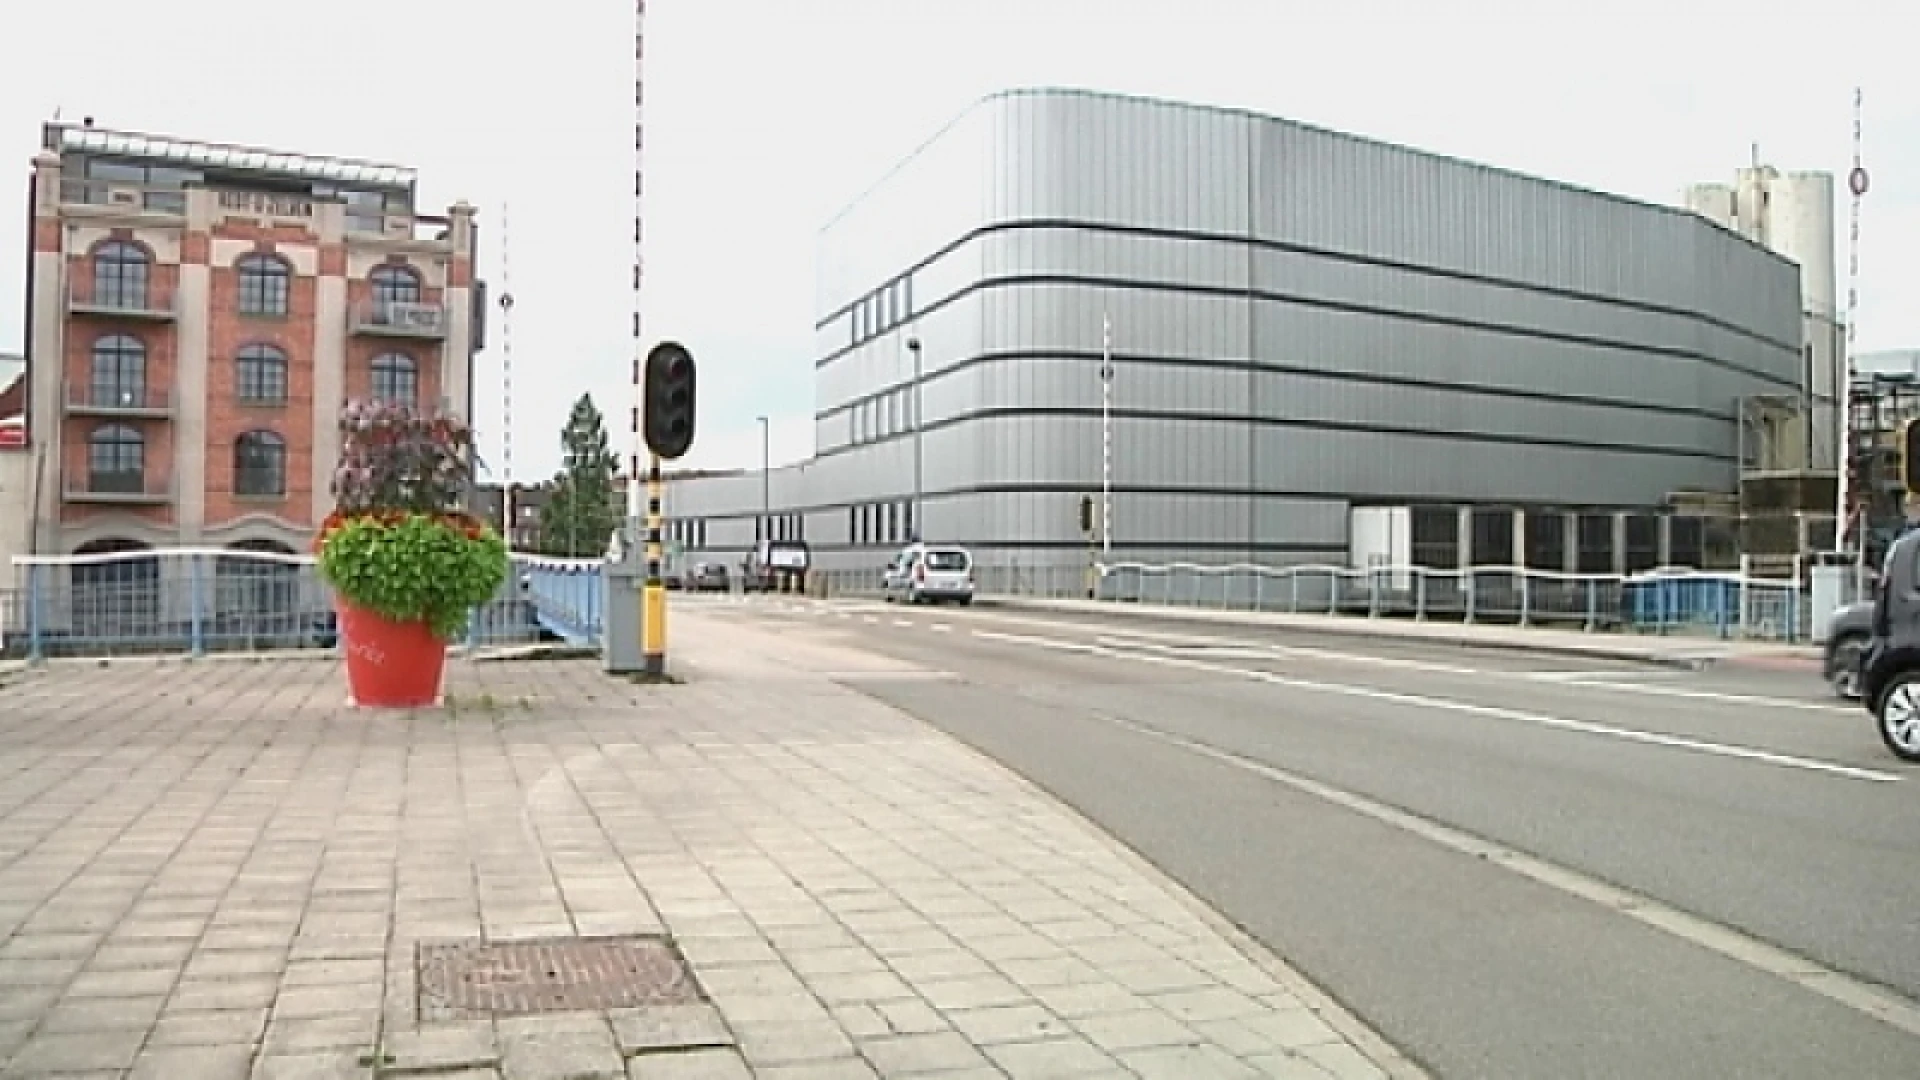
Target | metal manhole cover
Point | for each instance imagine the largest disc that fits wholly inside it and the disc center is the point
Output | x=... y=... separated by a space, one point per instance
x=472 y=979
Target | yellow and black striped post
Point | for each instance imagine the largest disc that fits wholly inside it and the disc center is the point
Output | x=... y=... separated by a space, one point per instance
x=653 y=597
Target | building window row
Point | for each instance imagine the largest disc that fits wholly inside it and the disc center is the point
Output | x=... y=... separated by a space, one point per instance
x=688 y=532
x=882 y=309
x=117 y=377
x=784 y=527
x=880 y=523
x=164 y=188
x=123 y=273
x=117 y=462
x=882 y=416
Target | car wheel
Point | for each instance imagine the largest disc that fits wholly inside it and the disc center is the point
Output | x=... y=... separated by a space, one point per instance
x=1899 y=716
x=1843 y=666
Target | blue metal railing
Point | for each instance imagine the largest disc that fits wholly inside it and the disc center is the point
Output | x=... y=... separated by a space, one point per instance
x=1659 y=601
x=564 y=594
x=201 y=600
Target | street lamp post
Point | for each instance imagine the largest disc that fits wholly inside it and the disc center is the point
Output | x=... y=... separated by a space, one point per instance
x=764 y=533
x=1106 y=438
x=914 y=534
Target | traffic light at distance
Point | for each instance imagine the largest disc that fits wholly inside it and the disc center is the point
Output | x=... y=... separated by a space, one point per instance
x=1907 y=458
x=667 y=425
x=1086 y=514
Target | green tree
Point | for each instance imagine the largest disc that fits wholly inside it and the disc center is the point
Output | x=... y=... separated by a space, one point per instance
x=580 y=515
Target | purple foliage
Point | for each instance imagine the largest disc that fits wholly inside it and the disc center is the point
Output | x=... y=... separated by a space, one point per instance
x=394 y=458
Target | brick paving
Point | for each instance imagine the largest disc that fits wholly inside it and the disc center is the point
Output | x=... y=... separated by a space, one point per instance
x=215 y=870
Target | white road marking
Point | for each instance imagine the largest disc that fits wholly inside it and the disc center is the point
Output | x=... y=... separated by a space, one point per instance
x=1725 y=940
x=906 y=674
x=1595 y=680
x=1713 y=695
x=1492 y=712
x=942 y=628
x=1601 y=680
x=903 y=622
x=869 y=619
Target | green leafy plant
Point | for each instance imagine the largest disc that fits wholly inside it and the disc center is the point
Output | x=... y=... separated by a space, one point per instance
x=416 y=566
x=396 y=545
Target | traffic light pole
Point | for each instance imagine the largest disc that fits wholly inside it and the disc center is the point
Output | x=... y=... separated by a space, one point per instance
x=653 y=595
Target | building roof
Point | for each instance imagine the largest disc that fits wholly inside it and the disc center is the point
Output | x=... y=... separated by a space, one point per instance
x=86 y=139
x=1148 y=101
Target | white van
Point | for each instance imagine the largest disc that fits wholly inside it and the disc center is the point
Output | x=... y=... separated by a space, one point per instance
x=930 y=572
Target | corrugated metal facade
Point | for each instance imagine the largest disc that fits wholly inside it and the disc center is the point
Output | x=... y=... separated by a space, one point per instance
x=1302 y=321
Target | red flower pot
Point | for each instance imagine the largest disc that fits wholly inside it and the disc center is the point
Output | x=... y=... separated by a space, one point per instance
x=390 y=665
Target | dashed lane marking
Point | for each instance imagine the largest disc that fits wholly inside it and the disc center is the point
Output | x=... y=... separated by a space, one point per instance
x=1492 y=712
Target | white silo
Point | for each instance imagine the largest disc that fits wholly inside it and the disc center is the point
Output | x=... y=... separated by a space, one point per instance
x=1792 y=214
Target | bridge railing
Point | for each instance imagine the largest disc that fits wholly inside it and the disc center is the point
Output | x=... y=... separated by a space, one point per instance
x=567 y=595
x=200 y=600
x=1669 y=600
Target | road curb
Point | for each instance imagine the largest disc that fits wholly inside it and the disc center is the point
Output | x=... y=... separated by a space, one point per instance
x=1369 y=629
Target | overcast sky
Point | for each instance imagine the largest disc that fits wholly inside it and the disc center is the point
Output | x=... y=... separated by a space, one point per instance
x=767 y=116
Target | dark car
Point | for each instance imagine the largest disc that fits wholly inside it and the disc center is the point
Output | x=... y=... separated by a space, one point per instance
x=1890 y=675
x=1848 y=635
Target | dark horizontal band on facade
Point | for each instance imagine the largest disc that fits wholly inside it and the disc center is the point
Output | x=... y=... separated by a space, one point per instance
x=1122 y=360
x=1004 y=281
x=1093 y=412
x=1424 y=498
x=1352 y=258
x=1260 y=548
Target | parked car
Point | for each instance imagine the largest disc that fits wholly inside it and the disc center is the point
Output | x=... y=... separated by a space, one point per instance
x=923 y=573
x=709 y=577
x=1848 y=635
x=1890 y=675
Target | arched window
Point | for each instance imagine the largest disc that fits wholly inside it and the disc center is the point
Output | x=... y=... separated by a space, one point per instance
x=260 y=375
x=265 y=281
x=260 y=464
x=120 y=273
x=394 y=285
x=116 y=460
x=257 y=596
x=116 y=599
x=118 y=378
x=395 y=379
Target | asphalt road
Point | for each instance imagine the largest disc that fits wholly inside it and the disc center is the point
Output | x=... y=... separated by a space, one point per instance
x=1510 y=865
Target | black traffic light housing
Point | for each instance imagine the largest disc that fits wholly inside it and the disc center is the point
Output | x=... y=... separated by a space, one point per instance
x=1909 y=457
x=667 y=425
x=1086 y=514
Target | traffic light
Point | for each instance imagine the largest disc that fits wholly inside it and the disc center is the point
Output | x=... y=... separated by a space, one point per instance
x=1086 y=514
x=1909 y=457
x=668 y=424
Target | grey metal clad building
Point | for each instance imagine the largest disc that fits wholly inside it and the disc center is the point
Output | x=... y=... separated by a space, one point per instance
x=1303 y=322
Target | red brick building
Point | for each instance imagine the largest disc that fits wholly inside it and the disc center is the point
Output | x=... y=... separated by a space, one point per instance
x=198 y=313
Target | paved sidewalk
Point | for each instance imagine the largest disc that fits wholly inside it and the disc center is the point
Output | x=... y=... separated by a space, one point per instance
x=214 y=871
x=1676 y=650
